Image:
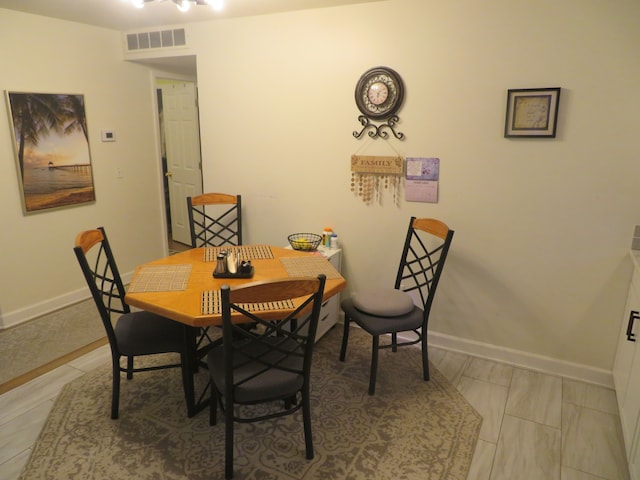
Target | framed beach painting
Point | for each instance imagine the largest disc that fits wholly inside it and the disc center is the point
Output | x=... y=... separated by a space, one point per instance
x=51 y=144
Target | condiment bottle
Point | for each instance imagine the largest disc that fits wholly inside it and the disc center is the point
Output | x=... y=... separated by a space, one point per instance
x=326 y=237
x=221 y=264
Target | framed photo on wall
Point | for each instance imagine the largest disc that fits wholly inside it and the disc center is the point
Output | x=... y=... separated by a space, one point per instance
x=532 y=112
x=51 y=144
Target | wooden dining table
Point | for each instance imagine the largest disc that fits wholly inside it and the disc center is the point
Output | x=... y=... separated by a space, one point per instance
x=182 y=287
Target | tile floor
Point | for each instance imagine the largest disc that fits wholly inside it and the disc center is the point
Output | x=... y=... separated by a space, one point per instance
x=535 y=426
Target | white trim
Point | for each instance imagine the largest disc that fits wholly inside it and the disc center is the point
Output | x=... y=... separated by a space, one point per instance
x=486 y=351
x=17 y=317
x=517 y=358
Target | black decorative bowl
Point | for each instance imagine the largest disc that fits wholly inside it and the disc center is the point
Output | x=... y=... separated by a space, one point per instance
x=305 y=241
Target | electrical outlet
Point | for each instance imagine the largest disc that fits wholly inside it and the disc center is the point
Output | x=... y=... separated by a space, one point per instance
x=119 y=173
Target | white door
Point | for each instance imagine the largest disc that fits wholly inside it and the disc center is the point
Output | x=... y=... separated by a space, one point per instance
x=182 y=141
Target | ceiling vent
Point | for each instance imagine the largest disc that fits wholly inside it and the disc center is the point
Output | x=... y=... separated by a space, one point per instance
x=157 y=39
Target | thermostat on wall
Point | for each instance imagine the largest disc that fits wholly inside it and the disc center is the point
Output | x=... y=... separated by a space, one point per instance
x=108 y=136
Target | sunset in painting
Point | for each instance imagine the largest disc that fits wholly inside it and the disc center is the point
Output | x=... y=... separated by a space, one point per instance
x=52 y=150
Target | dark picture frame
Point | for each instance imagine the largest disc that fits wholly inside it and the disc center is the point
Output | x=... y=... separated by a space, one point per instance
x=532 y=112
x=51 y=144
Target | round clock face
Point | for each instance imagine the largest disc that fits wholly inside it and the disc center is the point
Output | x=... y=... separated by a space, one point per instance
x=379 y=93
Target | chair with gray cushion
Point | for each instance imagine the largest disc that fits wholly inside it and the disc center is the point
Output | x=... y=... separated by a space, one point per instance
x=134 y=333
x=406 y=306
x=215 y=219
x=265 y=373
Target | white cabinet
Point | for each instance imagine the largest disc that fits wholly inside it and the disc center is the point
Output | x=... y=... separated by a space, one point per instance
x=626 y=372
x=331 y=307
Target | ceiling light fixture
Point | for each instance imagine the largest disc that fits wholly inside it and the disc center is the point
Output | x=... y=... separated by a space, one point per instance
x=182 y=5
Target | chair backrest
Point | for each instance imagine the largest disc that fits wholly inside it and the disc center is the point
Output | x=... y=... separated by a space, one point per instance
x=103 y=278
x=215 y=219
x=425 y=251
x=282 y=345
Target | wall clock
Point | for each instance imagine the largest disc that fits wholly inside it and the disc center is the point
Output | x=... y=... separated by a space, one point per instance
x=379 y=92
x=379 y=95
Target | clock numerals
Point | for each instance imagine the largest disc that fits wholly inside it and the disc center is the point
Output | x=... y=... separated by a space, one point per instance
x=379 y=93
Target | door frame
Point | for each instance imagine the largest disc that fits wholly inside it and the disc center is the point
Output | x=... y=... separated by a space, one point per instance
x=158 y=74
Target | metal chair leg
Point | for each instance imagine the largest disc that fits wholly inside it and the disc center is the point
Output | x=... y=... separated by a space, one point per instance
x=213 y=407
x=115 y=389
x=374 y=364
x=345 y=338
x=306 y=418
x=425 y=358
x=228 y=442
x=129 y=368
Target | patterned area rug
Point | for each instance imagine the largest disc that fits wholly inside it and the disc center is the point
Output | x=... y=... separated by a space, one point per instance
x=410 y=429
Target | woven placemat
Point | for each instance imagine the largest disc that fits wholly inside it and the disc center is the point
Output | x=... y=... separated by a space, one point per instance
x=243 y=252
x=311 y=266
x=161 y=278
x=211 y=304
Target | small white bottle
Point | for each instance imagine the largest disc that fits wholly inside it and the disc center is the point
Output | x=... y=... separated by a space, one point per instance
x=334 y=241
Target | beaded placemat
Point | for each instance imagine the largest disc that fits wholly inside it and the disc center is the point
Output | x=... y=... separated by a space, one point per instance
x=161 y=278
x=310 y=266
x=211 y=304
x=243 y=252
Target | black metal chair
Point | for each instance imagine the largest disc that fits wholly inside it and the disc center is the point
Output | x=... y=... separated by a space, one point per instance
x=393 y=310
x=135 y=333
x=269 y=364
x=215 y=219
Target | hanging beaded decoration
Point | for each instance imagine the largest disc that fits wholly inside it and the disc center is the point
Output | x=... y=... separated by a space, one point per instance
x=369 y=174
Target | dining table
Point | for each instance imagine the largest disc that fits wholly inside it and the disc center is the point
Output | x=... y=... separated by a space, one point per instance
x=183 y=288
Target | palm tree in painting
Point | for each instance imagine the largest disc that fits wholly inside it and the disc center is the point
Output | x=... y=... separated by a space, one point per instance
x=73 y=106
x=35 y=115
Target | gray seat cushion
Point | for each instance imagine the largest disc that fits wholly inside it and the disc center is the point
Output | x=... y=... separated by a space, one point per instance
x=144 y=333
x=255 y=382
x=383 y=302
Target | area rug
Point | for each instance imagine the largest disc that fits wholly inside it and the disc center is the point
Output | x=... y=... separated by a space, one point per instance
x=410 y=429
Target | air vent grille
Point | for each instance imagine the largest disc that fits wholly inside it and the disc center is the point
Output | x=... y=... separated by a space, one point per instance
x=156 y=39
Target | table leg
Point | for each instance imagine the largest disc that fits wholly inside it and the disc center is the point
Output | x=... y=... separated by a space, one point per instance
x=189 y=387
x=197 y=344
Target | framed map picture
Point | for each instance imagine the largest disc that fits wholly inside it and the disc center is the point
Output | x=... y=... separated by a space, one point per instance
x=532 y=112
x=51 y=143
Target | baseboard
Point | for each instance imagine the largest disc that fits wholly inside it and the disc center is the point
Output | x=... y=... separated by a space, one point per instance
x=36 y=310
x=517 y=358
x=487 y=351
x=522 y=359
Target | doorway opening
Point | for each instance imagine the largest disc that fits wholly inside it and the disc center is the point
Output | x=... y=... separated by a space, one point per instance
x=180 y=155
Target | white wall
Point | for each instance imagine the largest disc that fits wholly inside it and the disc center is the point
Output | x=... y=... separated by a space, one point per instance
x=39 y=269
x=543 y=227
x=539 y=263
